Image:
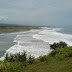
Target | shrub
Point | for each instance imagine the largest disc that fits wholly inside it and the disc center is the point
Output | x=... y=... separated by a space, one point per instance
x=54 y=52
x=62 y=44
x=58 y=45
x=30 y=60
x=16 y=57
x=7 y=57
x=64 y=53
x=54 y=46
x=43 y=58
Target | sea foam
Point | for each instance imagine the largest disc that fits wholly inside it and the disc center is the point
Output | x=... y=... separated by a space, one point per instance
x=51 y=35
x=37 y=42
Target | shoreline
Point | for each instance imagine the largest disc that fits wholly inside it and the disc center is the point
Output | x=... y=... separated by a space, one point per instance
x=18 y=30
x=10 y=29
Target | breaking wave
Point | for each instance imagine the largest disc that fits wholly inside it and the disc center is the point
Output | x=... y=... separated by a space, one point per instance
x=36 y=42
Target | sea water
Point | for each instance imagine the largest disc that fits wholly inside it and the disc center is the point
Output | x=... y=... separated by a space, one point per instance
x=35 y=42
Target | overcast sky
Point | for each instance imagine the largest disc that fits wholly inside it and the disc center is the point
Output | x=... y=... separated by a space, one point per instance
x=36 y=12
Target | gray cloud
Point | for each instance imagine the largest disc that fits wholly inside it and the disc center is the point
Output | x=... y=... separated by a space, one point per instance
x=47 y=12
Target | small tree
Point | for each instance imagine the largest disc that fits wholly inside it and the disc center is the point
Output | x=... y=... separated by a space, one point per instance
x=58 y=45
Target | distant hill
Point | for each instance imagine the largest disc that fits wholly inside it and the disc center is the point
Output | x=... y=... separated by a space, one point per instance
x=2 y=24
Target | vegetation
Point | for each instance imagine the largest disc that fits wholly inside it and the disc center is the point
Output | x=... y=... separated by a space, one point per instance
x=58 y=45
x=4 y=29
x=16 y=57
x=59 y=60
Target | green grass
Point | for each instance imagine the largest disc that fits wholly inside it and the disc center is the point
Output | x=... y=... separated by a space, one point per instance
x=52 y=66
x=59 y=60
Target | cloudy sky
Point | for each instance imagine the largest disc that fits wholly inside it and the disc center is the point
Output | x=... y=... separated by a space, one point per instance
x=36 y=12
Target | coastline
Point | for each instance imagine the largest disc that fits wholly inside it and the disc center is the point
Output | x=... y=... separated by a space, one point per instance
x=7 y=35
x=10 y=29
x=54 y=61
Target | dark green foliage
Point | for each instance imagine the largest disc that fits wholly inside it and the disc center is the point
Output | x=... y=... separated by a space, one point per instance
x=58 y=45
x=20 y=57
x=54 y=46
x=62 y=44
x=7 y=57
x=43 y=58
x=30 y=60
x=54 y=52
x=16 y=57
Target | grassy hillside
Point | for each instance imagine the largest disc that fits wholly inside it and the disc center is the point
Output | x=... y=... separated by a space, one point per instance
x=59 y=60
x=52 y=66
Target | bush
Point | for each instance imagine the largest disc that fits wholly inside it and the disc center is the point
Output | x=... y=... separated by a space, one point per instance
x=62 y=44
x=16 y=57
x=62 y=53
x=58 y=45
x=54 y=46
x=54 y=52
x=43 y=58
x=30 y=60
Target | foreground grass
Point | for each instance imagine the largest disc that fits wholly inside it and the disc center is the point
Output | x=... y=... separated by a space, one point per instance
x=59 y=60
x=4 y=29
x=52 y=66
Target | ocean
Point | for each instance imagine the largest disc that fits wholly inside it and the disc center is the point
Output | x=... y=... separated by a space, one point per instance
x=35 y=42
